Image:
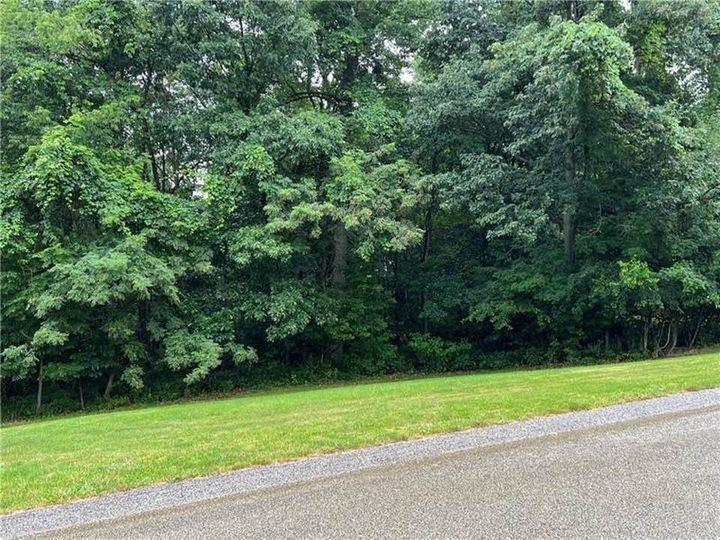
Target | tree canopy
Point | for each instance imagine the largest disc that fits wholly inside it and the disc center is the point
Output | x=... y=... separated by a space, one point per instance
x=208 y=195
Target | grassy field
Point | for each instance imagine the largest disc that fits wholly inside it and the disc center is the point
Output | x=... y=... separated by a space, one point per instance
x=70 y=458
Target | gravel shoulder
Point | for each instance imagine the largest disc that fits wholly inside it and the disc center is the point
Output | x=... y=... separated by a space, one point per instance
x=248 y=482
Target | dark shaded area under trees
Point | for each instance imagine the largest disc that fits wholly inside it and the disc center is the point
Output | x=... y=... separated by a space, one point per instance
x=206 y=196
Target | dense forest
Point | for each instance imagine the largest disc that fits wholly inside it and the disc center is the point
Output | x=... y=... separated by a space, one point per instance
x=211 y=195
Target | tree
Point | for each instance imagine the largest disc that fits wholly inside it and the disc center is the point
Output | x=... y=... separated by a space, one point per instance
x=214 y=195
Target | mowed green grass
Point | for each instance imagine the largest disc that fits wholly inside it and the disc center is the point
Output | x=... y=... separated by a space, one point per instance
x=70 y=458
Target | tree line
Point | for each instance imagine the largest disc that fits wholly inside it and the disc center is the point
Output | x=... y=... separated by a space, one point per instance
x=205 y=195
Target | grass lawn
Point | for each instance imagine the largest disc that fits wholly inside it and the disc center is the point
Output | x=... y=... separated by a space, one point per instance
x=70 y=458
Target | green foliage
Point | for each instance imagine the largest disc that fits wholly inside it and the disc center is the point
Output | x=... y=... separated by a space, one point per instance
x=183 y=350
x=19 y=361
x=436 y=354
x=201 y=196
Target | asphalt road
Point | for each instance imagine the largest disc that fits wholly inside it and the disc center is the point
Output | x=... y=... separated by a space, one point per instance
x=657 y=477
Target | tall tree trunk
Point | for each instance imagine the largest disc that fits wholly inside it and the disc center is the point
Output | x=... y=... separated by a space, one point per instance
x=645 y=335
x=340 y=244
x=426 y=253
x=159 y=184
x=428 y=229
x=568 y=215
x=82 y=399
x=569 y=234
x=673 y=344
x=108 y=387
x=659 y=349
x=41 y=374
x=572 y=10
x=695 y=334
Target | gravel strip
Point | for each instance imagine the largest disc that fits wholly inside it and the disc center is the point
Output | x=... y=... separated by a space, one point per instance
x=248 y=480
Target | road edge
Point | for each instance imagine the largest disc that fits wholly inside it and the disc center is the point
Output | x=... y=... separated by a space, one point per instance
x=184 y=492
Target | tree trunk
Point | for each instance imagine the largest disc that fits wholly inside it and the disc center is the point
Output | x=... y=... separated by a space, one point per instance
x=569 y=234
x=568 y=215
x=667 y=339
x=108 y=387
x=82 y=400
x=695 y=334
x=38 y=405
x=340 y=242
x=426 y=253
x=607 y=341
x=572 y=10
x=645 y=336
x=428 y=229
x=673 y=344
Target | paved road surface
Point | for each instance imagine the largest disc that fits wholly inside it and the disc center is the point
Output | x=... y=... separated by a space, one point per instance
x=658 y=477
